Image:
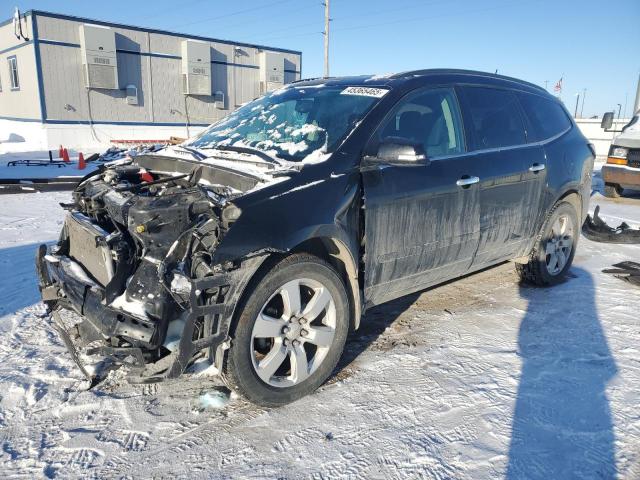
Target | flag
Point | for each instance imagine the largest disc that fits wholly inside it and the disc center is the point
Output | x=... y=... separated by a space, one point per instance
x=558 y=86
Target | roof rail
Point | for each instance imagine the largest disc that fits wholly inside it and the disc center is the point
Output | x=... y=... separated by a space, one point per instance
x=430 y=71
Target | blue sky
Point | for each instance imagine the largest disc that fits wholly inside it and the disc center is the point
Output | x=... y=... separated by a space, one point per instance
x=591 y=44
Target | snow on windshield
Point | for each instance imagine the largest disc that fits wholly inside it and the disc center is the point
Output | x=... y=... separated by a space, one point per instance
x=293 y=124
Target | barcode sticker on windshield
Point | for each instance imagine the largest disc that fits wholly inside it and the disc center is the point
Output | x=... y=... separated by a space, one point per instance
x=365 y=91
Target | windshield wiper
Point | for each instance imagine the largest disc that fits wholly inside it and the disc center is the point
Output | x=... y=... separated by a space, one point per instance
x=195 y=152
x=249 y=150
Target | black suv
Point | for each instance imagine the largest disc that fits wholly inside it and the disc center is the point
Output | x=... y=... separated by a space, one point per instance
x=258 y=244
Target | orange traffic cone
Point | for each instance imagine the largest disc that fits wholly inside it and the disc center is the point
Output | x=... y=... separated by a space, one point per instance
x=65 y=155
x=81 y=162
x=60 y=152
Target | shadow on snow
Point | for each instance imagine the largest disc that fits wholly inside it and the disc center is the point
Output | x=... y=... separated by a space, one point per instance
x=18 y=284
x=562 y=425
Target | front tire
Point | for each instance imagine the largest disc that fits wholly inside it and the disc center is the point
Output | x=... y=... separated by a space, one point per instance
x=612 y=190
x=290 y=332
x=555 y=246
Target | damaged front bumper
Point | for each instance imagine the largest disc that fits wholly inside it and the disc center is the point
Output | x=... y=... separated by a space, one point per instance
x=131 y=340
x=596 y=229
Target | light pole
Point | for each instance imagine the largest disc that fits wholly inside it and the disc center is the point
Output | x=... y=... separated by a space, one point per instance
x=619 y=108
x=575 y=113
x=584 y=94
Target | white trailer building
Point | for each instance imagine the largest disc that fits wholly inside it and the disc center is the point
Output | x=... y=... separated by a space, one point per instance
x=85 y=83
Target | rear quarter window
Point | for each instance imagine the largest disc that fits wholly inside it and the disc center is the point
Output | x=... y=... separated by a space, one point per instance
x=493 y=118
x=546 y=117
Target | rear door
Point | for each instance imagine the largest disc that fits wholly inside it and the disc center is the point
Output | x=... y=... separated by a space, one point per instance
x=421 y=222
x=512 y=172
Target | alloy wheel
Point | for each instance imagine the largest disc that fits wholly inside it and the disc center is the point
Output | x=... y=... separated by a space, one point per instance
x=559 y=245
x=293 y=332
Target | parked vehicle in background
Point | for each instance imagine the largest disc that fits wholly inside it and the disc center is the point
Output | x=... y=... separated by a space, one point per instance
x=260 y=243
x=622 y=170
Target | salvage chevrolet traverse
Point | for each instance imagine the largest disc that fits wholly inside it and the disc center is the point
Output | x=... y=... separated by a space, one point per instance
x=258 y=244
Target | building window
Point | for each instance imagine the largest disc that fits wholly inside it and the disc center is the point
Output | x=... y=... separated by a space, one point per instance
x=13 y=73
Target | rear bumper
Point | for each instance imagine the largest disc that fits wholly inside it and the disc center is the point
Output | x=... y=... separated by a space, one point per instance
x=621 y=175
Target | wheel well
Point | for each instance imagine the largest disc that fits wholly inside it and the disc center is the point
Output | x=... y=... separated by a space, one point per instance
x=337 y=255
x=574 y=199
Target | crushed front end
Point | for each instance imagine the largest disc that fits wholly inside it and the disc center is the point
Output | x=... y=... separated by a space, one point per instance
x=134 y=264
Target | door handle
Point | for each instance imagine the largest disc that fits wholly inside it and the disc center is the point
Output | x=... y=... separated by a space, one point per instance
x=536 y=167
x=467 y=180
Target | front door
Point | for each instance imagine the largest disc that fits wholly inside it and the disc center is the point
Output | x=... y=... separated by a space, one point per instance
x=422 y=221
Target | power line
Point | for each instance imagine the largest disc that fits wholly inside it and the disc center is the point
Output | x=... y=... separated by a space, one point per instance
x=405 y=20
x=237 y=12
x=172 y=9
x=341 y=18
x=261 y=19
x=286 y=29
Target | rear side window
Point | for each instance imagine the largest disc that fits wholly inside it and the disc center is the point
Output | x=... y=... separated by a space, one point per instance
x=429 y=117
x=546 y=117
x=494 y=118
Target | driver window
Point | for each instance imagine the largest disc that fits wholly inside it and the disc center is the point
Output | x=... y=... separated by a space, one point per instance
x=429 y=117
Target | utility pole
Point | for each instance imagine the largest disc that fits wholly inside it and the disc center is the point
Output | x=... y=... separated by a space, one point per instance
x=584 y=94
x=575 y=113
x=326 y=38
x=636 y=104
x=619 y=108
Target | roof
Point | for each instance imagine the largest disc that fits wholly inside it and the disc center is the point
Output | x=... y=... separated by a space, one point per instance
x=391 y=80
x=469 y=73
x=73 y=18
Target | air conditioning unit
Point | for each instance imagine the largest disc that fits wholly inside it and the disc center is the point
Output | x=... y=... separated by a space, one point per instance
x=196 y=68
x=271 y=71
x=99 y=61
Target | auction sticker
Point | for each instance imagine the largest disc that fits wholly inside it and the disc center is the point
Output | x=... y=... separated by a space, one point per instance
x=365 y=91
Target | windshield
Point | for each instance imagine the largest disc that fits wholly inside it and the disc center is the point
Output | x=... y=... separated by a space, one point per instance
x=293 y=123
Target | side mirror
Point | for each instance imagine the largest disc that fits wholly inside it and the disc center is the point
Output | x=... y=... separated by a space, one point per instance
x=399 y=152
x=607 y=121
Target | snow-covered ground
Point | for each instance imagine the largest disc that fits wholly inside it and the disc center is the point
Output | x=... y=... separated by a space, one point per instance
x=481 y=378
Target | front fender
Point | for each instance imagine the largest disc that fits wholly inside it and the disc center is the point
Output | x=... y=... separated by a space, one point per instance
x=327 y=207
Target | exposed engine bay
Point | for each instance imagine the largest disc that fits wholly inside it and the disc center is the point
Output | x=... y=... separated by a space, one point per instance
x=134 y=245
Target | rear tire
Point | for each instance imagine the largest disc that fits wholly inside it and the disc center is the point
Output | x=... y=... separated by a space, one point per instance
x=612 y=190
x=290 y=331
x=554 y=249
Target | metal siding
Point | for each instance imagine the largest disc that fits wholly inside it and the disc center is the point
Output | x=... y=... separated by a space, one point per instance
x=63 y=82
x=72 y=18
x=155 y=70
x=112 y=105
x=67 y=31
x=25 y=102
x=64 y=85
x=167 y=90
